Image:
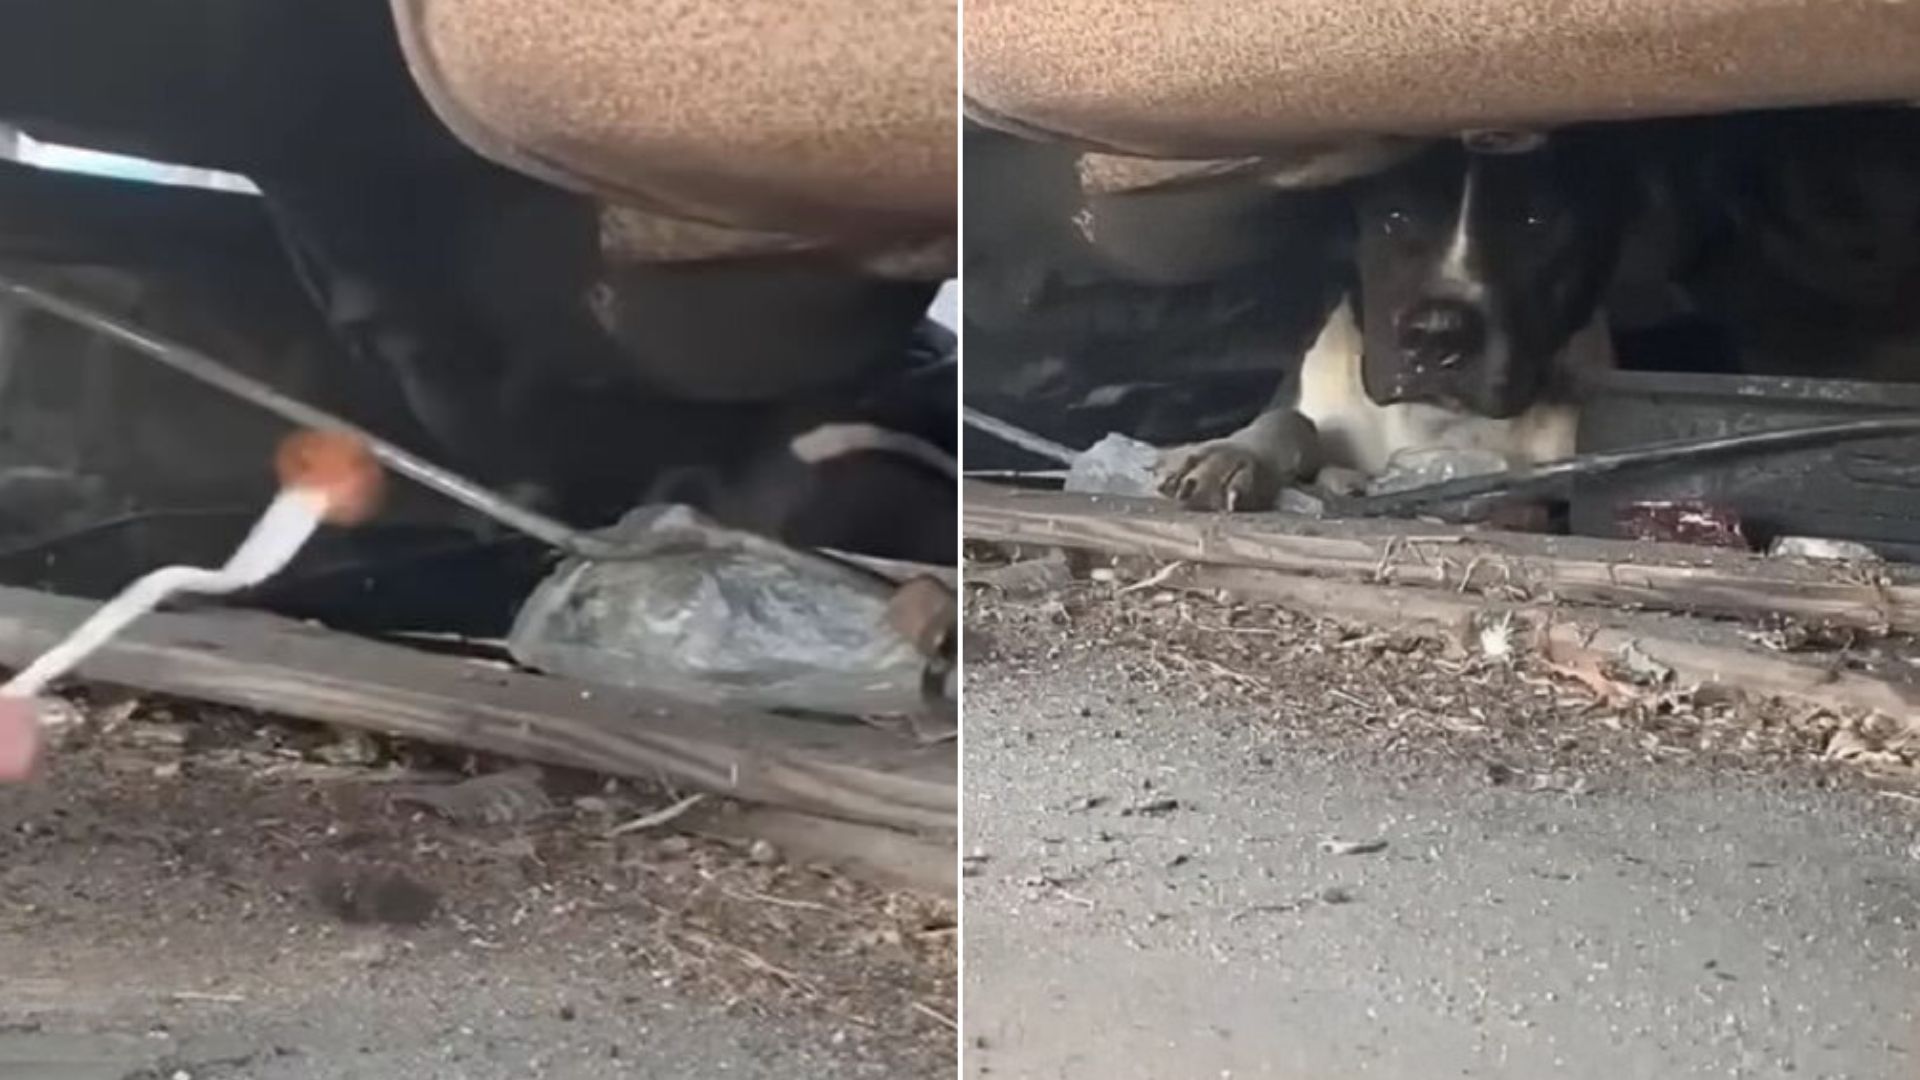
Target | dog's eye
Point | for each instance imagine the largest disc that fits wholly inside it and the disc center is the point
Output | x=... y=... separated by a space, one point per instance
x=1395 y=222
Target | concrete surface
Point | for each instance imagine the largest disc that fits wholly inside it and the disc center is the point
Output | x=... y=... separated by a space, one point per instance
x=1157 y=886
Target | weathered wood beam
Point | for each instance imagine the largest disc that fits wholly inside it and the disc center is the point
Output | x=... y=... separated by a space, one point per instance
x=1698 y=652
x=1654 y=577
x=840 y=770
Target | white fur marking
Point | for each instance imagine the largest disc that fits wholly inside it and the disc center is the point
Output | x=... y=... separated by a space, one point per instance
x=1454 y=269
x=829 y=441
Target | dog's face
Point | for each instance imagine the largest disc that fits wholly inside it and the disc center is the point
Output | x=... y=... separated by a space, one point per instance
x=1477 y=266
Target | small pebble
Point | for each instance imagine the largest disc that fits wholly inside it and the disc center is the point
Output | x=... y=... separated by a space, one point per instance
x=1152 y=808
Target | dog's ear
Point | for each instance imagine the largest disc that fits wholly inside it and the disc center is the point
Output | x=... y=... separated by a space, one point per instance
x=1342 y=215
x=1343 y=246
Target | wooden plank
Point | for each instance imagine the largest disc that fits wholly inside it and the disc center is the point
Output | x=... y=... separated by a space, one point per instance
x=840 y=770
x=1656 y=577
x=879 y=856
x=1698 y=652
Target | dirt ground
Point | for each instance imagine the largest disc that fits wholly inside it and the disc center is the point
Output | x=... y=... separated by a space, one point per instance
x=196 y=893
x=1206 y=839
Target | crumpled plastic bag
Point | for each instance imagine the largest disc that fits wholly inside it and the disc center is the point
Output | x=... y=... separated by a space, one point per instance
x=724 y=618
x=1116 y=465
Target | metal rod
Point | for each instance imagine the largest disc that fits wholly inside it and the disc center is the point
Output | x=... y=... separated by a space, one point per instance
x=1015 y=474
x=198 y=365
x=1020 y=437
x=195 y=364
x=1518 y=483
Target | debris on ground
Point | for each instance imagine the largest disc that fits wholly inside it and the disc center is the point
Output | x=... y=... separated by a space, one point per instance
x=245 y=878
x=1151 y=808
x=1785 y=634
x=1496 y=637
x=1815 y=547
x=1352 y=847
x=1876 y=740
x=1027 y=577
x=664 y=816
x=1116 y=465
x=1543 y=720
x=372 y=895
x=1682 y=522
x=510 y=797
x=350 y=748
x=1643 y=670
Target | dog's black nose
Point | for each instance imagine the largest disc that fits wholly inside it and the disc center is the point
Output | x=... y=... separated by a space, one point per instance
x=1442 y=331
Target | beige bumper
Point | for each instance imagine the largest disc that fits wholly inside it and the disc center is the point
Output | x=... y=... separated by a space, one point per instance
x=778 y=123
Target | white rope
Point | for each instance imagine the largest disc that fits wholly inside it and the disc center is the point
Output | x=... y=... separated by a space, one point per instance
x=277 y=537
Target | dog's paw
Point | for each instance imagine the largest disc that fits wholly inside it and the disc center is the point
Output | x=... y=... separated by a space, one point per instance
x=1221 y=476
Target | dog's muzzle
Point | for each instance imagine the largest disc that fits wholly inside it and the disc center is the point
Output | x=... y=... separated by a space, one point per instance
x=1440 y=335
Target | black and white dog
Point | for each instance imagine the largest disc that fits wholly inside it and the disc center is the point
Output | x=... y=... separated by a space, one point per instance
x=871 y=468
x=1478 y=274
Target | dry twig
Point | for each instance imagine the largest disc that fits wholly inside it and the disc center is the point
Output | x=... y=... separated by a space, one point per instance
x=658 y=817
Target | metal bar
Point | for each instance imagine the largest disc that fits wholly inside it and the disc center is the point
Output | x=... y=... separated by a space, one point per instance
x=1519 y=483
x=1020 y=437
x=198 y=365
